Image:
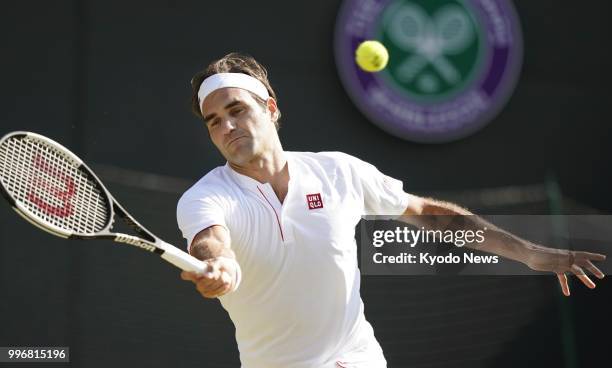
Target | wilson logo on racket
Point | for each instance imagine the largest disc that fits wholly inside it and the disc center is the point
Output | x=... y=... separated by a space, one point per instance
x=47 y=186
x=131 y=240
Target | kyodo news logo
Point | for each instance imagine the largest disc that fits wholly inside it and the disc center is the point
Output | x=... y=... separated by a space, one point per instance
x=453 y=63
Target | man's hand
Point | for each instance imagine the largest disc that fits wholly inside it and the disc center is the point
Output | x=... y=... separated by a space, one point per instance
x=218 y=280
x=561 y=261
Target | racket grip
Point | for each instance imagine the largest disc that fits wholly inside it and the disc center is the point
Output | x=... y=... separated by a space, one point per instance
x=182 y=260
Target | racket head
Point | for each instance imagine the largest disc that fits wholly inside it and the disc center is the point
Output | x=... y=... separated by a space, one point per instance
x=52 y=188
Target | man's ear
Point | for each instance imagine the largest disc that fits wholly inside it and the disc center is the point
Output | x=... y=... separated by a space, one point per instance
x=272 y=108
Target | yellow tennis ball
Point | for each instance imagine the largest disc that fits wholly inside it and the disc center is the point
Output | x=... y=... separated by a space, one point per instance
x=371 y=56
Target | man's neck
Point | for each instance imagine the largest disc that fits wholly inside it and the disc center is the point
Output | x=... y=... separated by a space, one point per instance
x=265 y=168
x=271 y=168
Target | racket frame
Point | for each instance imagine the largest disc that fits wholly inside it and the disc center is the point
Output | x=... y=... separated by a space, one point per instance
x=147 y=241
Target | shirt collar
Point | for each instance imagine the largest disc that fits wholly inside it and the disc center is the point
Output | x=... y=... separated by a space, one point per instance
x=250 y=183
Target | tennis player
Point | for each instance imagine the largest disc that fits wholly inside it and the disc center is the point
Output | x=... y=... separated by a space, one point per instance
x=277 y=230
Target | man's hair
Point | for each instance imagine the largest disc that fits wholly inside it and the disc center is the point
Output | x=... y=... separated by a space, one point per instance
x=233 y=63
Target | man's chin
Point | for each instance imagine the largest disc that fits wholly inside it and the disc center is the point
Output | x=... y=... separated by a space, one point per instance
x=240 y=158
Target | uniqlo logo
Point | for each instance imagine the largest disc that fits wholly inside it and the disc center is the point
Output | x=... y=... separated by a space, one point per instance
x=314 y=201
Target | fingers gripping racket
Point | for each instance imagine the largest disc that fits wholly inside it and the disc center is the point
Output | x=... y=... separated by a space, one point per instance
x=54 y=190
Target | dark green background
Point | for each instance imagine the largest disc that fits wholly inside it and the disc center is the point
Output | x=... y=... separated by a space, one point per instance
x=110 y=79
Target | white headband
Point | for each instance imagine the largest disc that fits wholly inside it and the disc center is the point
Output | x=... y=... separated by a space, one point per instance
x=238 y=80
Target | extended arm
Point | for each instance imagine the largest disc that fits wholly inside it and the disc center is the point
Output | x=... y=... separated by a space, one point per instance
x=434 y=214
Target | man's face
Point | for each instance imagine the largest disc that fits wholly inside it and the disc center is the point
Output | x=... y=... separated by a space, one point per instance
x=239 y=126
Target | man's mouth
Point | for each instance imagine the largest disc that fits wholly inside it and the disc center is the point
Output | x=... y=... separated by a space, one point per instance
x=235 y=139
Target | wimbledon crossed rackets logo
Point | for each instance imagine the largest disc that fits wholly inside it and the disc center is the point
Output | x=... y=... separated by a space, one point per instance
x=452 y=63
x=430 y=54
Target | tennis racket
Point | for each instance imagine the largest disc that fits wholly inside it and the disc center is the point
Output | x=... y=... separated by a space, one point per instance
x=53 y=189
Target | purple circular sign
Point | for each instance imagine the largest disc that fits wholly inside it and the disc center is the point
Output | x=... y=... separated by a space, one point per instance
x=453 y=64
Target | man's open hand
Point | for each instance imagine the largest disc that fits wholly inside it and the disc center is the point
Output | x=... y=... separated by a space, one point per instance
x=561 y=262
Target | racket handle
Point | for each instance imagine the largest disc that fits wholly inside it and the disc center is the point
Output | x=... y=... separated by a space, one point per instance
x=182 y=260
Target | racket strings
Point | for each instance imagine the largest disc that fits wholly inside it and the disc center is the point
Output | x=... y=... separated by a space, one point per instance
x=51 y=186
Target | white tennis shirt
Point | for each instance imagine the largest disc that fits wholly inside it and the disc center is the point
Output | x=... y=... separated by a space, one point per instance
x=298 y=304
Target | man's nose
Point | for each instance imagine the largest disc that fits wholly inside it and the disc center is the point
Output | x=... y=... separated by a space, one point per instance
x=228 y=125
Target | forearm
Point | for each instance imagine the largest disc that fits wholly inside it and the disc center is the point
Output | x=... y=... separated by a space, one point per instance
x=500 y=242
x=439 y=215
x=211 y=243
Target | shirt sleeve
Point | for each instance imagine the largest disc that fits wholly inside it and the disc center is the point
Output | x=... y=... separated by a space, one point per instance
x=382 y=194
x=198 y=211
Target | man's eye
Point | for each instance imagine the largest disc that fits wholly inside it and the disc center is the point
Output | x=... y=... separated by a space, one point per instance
x=214 y=123
x=237 y=111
